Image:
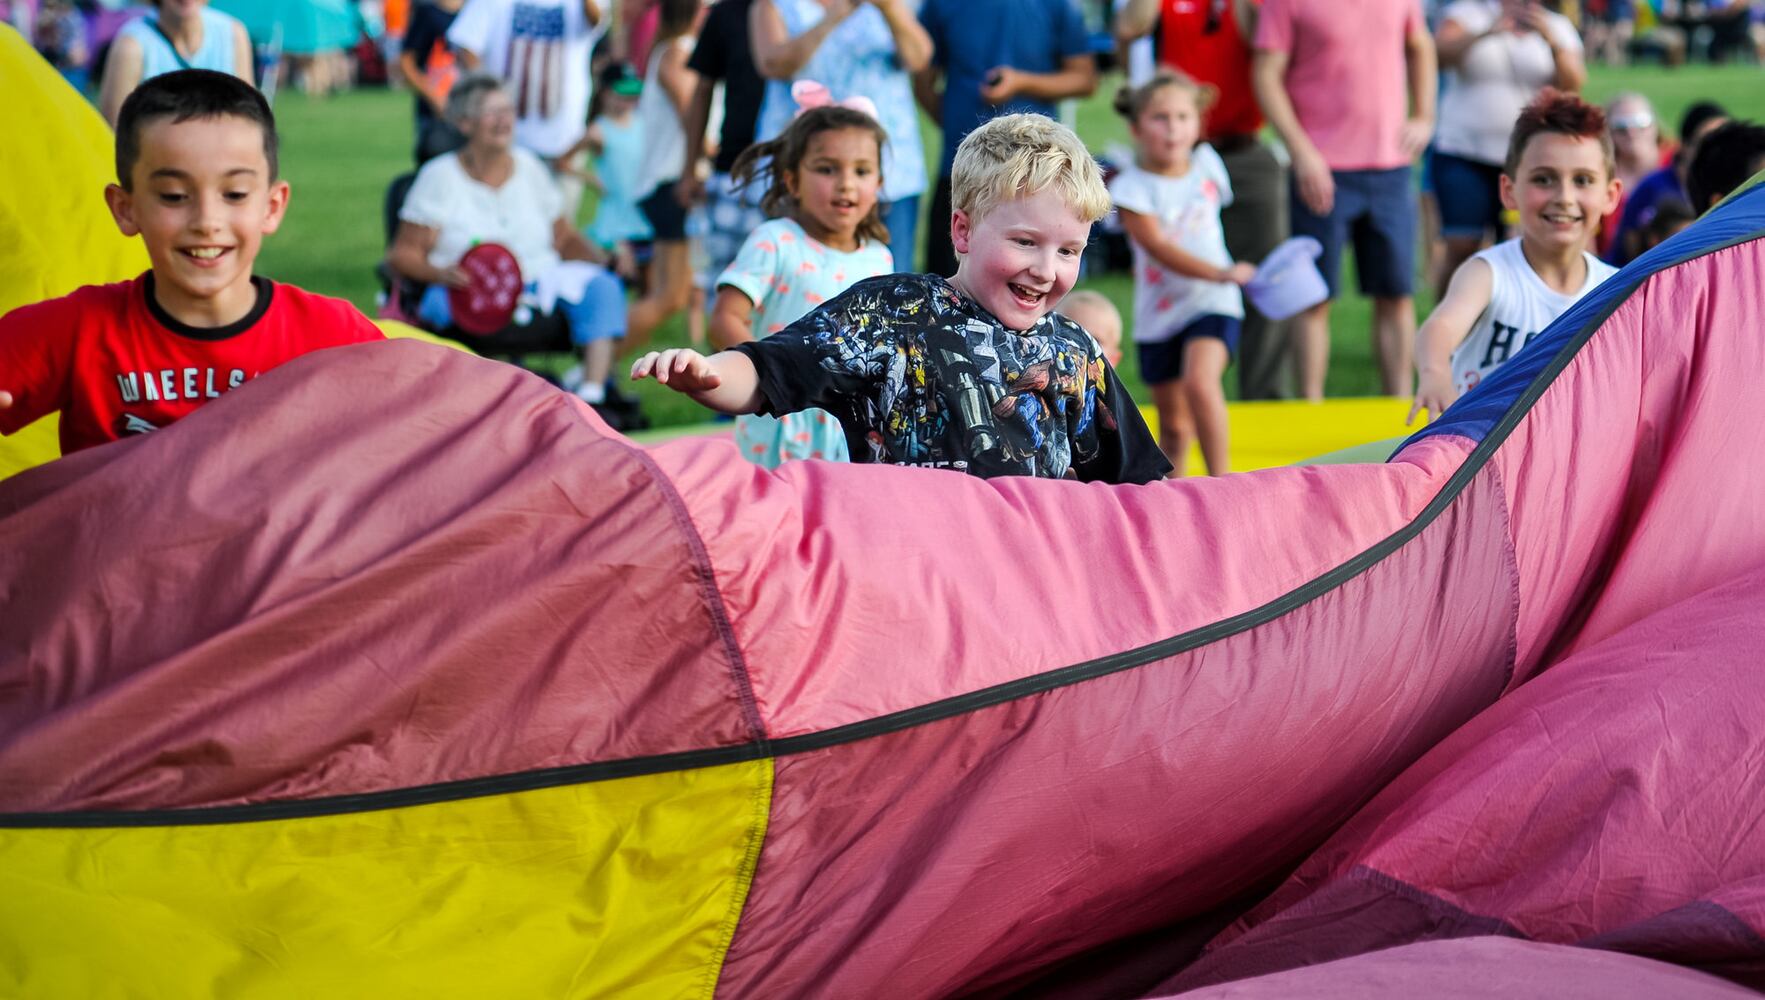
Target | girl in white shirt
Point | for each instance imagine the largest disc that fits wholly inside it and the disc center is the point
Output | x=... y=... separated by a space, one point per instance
x=1187 y=307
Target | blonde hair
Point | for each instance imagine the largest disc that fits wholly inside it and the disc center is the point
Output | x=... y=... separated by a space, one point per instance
x=1019 y=156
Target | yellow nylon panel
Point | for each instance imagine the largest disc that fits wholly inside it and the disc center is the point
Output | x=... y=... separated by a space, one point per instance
x=55 y=232
x=629 y=887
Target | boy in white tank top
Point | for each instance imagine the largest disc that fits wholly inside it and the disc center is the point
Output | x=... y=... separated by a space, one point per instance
x=1559 y=177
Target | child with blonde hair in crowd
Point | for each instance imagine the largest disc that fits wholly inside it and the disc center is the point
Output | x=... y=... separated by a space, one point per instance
x=825 y=174
x=1187 y=306
x=976 y=372
x=1100 y=318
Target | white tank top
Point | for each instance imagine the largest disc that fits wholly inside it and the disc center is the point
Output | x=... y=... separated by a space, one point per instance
x=664 y=140
x=1520 y=305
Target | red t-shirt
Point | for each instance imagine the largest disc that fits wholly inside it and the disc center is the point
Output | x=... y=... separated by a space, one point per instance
x=1201 y=38
x=114 y=363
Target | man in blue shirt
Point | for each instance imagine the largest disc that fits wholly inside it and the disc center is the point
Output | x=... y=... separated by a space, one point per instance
x=995 y=57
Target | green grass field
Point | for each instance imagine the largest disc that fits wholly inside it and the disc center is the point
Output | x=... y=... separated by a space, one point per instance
x=339 y=154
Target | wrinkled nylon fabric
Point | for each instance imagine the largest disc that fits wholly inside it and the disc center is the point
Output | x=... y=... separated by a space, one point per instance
x=1613 y=800
x=1635 y=480
x=838 y=577
x=1476 y=968
x=965 y=852
x=614 y=888
x=264 y=601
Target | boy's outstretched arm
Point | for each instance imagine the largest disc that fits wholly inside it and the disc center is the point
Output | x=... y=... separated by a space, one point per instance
x=726 y=381
x=1466 y=298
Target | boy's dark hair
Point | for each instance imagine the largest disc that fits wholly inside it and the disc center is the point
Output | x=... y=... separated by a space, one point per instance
x=1671 y=215
x=1557 y=113
x=1725 y=159
x=1696 y=115
x=784 y=155
x=182 y=95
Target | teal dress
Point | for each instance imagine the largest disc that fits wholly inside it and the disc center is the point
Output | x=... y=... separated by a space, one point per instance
x=617 y=216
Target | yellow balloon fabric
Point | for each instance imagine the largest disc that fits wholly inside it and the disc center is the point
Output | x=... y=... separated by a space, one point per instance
x=55 y=232
x=626 y=887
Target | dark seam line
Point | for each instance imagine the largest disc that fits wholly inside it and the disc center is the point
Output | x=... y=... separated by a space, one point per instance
x=420 y=795
x=907 y=718
x=1511 y=563
x=712 y=597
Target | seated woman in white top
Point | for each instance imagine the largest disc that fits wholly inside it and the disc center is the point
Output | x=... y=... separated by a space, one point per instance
x=491 y=191
x=177 y=34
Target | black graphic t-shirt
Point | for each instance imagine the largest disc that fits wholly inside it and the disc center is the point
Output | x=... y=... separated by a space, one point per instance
x=920 y=374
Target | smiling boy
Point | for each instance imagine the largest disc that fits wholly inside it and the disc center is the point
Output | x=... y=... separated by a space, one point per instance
x=976 y=372
x=1559 y=176
x=196 y=180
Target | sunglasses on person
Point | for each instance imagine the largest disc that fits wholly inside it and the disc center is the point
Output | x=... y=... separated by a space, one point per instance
x=1635 y=122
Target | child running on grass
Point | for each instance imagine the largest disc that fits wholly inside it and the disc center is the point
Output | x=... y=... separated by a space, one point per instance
x=826 y=171
x=1187 y=307
x=1559 y=177
x=196 y=180
x=976 y=372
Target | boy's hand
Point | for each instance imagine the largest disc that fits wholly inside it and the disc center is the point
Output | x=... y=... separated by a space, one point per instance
x=1434 y=393
x=681 y=369
x=1240 y=273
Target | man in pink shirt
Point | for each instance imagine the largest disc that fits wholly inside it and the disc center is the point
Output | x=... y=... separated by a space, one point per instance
x=1332 y=79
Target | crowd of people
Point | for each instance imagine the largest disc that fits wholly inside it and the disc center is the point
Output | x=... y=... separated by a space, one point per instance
x=758 y=167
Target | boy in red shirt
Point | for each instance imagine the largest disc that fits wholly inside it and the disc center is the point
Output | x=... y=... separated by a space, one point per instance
x=196 y=180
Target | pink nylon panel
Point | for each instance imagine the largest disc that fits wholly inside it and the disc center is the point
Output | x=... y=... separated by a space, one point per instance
x=1479 y=968
x=1636 y=480
x=1614 y=800
x=348 y=577
x=857 y=591
x=974 y=849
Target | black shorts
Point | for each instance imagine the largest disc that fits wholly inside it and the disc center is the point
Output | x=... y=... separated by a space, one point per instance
x=1162 y=360
x=666 y=215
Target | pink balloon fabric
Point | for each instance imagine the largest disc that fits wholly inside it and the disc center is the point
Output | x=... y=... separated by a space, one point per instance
x=1027 y=735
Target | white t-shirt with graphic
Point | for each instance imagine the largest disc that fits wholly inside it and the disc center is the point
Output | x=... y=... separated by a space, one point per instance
x=786 y=273
x=1188 y=212
x=540 y=50
x=1520 y=306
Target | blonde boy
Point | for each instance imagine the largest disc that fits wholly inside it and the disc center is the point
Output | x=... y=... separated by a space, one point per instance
x=975 y=372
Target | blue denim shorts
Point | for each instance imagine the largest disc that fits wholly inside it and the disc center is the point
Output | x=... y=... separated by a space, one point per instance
x=1376 y=209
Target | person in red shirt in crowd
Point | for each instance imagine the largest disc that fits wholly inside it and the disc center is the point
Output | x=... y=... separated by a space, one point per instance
x=196 y=180
x=1209 y=42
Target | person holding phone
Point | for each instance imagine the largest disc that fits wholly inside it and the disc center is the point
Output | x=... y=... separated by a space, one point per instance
x=1497 y=55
